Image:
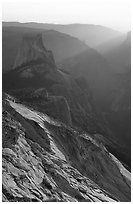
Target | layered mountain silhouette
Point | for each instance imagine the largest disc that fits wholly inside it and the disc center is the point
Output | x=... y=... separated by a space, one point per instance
x=60 y=142
x=118 y=52
x=92 y=35
x=95 y=69
x=62 y=45
x=111 y=98
x=34 y=68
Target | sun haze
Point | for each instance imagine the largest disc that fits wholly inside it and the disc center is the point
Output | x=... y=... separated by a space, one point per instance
x=111 y=13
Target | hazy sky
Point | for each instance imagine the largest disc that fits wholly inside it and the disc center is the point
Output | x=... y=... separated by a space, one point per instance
x=111 y=13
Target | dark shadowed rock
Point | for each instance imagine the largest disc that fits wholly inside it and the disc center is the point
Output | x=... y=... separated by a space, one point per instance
x=44 y=74
x=41 y=93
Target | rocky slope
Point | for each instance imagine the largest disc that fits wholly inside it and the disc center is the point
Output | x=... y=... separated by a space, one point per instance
x=55 y=106
x=40 y=88
x=45 y=160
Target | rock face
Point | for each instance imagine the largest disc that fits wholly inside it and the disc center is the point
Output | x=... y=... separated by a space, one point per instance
x=35 y=74
x=32 y=51
x=58 y=108
x=55 y=106
x=62 y=45
x=55 y=93
x=44 y=160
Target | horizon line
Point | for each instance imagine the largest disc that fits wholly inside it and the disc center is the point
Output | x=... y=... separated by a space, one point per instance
x=65 y=24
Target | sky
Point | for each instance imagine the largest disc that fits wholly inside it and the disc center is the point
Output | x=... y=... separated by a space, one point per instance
x=111 y=13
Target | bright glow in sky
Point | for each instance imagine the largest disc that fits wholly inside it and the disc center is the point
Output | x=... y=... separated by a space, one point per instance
x=110 y=13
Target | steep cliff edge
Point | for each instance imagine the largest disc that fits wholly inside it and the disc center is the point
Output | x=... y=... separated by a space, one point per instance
x=55 y=106
x=33 y=51
x=44 y=160
x=31 y=72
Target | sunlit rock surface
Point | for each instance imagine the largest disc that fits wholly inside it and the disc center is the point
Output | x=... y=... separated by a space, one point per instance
x=45 y=160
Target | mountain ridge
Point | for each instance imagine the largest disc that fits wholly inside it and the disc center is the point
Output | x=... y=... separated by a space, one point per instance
x=56 y=146
x=91 y=34
x=32 y=50
x=62 y=45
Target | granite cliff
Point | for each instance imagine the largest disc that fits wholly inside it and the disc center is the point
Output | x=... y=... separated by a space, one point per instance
x=45 y=160
x=54 y=142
